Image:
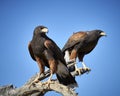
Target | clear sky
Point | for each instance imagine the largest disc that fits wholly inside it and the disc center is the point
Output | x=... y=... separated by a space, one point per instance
x=18 y=18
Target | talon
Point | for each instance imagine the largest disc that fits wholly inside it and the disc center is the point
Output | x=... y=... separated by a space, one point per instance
x=78 y=71
x=41 y=75
x=36 y=80
x=86 y=69
x=48 y=83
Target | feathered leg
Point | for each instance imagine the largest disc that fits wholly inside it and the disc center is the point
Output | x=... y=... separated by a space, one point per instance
x=67 y=56
x=41 y=67
x=84 y=65
x=73 y=57
x=53 y=68
x=85 y=68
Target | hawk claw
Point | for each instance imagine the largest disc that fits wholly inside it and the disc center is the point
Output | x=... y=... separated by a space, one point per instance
x=83 y=70
x=48 y=83
x=86 y=69
x=78 y=71
x=36 y=80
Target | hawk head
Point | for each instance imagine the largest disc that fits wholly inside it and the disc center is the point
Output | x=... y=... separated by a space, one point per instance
x=99 y=33
x=96 y=34
x=40 y=29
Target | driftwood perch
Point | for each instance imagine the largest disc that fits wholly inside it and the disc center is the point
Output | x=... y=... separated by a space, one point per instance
x=40 y=88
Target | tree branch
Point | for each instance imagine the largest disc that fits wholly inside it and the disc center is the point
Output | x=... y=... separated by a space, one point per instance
x=40 y=88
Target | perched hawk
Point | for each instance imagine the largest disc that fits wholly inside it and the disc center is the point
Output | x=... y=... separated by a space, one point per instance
x=46 y=53
x=80 y=44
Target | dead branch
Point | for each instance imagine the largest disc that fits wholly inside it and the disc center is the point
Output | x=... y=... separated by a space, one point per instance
x=40 y=88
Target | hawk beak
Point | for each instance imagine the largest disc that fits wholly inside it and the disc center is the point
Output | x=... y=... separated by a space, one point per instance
x=45 y=30
x=103 y=34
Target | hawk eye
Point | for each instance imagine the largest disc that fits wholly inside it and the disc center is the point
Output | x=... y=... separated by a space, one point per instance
x=99 y=32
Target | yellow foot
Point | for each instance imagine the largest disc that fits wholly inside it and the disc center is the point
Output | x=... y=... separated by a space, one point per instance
x=78 y=71
x=83 y=70
x=36 y=80
x=86 y=69
x=47 y=83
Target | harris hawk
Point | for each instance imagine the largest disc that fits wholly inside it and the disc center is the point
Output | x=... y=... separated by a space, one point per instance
x=80 y=44
x=45 y=52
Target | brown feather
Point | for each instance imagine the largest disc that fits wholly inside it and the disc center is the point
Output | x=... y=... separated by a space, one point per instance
x=55 y=50
x=46 y=52
x=31 y=51
x=74 y=39
x=82 y=43
x=73 y=54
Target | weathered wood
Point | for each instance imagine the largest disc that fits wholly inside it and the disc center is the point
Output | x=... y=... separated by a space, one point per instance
x=40 y=88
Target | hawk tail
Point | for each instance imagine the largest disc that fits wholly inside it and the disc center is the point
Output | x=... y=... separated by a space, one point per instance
x=65 y=77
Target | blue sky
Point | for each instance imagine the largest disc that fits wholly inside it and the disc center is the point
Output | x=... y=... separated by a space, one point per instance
x=18 y=18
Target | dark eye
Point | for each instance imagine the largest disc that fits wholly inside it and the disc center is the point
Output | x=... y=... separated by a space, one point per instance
x=99 y=31
x=41 y=28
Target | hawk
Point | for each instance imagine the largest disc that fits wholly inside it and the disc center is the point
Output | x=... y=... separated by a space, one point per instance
x=45 y=52
x=80 y=44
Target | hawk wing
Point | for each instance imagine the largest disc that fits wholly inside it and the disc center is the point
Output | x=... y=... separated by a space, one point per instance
x=31 y=51
x=62 y=73
x=56 y=52
x=74 y=39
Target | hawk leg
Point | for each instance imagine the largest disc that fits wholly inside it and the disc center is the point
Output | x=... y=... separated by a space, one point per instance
x=73 y=57
x=42 y=68
x=67 y=56
x=53 y=68
x=85 y=68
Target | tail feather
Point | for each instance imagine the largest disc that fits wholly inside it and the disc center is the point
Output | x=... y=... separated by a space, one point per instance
x=65 y=77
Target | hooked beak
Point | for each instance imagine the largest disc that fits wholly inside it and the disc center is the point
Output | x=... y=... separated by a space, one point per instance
x=103 y=34
x=45 y=30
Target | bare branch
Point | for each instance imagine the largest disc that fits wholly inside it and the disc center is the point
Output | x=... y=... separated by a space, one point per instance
x=40 y=88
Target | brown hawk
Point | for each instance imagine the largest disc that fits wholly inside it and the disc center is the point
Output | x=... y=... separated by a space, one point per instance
x=46 y=53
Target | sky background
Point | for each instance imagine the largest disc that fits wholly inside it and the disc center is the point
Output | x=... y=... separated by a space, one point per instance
x=18 y=18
